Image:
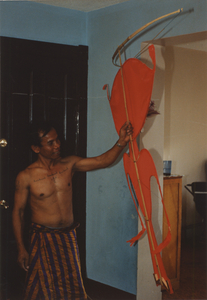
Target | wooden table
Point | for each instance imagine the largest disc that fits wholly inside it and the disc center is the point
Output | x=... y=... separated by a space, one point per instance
x=172 y=195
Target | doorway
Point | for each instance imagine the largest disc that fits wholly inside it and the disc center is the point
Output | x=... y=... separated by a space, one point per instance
x=42 y=81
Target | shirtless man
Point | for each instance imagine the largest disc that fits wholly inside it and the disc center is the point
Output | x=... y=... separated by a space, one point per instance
x=47 y=185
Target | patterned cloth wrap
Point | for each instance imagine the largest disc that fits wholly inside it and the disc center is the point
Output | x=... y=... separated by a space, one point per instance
x=54 y=267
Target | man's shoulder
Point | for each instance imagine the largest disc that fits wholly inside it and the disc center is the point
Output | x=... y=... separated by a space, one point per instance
x=27 y=172
x=70 y=162
x=70 y=159
x=23 y=179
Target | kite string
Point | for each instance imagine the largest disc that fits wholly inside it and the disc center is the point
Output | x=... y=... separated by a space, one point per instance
x=142 y=50
x=138 y=31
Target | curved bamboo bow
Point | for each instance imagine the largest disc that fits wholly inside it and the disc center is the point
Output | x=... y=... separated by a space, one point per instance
x=138 y=31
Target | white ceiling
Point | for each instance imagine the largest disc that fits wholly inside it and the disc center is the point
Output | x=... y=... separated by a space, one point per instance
x=82 y=5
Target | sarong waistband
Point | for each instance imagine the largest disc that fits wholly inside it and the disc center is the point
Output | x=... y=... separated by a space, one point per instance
x=41 y=228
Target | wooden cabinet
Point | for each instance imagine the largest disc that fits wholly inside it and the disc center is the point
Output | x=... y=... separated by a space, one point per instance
x=172 y=195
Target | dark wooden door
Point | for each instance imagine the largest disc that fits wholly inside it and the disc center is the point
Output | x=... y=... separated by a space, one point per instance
x=38 y=81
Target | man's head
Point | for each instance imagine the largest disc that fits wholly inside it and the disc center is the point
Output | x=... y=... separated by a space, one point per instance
x=37 y=131
x=44 y=140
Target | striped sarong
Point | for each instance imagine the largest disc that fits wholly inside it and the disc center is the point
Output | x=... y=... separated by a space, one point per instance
x=54 y=268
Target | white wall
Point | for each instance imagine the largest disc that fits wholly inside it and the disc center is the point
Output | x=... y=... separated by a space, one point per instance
x=185 y=119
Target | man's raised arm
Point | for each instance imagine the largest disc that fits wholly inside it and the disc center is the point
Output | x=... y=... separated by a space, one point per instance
x=109 y=157
x=20 y=200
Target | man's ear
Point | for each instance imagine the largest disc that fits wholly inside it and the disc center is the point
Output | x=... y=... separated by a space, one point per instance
x=36 y=149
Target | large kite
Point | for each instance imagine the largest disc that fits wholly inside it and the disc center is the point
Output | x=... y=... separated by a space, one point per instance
x=130 y=101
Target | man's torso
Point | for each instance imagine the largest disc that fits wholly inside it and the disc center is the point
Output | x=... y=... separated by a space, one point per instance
x=51 y=194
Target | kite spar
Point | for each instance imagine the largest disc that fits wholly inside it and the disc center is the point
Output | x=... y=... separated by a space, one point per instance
x=130 y=100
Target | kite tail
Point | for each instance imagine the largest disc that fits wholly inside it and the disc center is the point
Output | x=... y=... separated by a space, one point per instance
x=106 y=87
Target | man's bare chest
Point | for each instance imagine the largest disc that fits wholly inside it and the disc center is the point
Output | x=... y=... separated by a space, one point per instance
x=45 y=183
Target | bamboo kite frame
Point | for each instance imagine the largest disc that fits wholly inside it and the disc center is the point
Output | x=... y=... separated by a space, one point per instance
x=140 y=187
x=138 y=31
x=118 y=52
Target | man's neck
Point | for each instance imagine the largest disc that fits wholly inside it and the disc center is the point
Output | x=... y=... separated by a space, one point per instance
x=45 y=162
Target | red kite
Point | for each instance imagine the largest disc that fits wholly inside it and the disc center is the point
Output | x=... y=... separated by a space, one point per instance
x=130 y=101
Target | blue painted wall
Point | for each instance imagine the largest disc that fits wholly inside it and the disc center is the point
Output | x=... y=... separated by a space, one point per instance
x=111 y=216
x=40 y=22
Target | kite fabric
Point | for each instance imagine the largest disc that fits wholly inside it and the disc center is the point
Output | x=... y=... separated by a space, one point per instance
x=138 y=83
x=146 y=169
x=54 y=268
x=130 y=101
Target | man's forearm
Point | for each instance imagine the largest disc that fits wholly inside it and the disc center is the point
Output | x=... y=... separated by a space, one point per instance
x=109 y=157
x=18 y=227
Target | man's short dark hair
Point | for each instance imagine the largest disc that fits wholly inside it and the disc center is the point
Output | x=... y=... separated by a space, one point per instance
x=35 y=129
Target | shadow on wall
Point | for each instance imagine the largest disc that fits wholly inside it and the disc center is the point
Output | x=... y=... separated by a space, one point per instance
x=156 y=199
